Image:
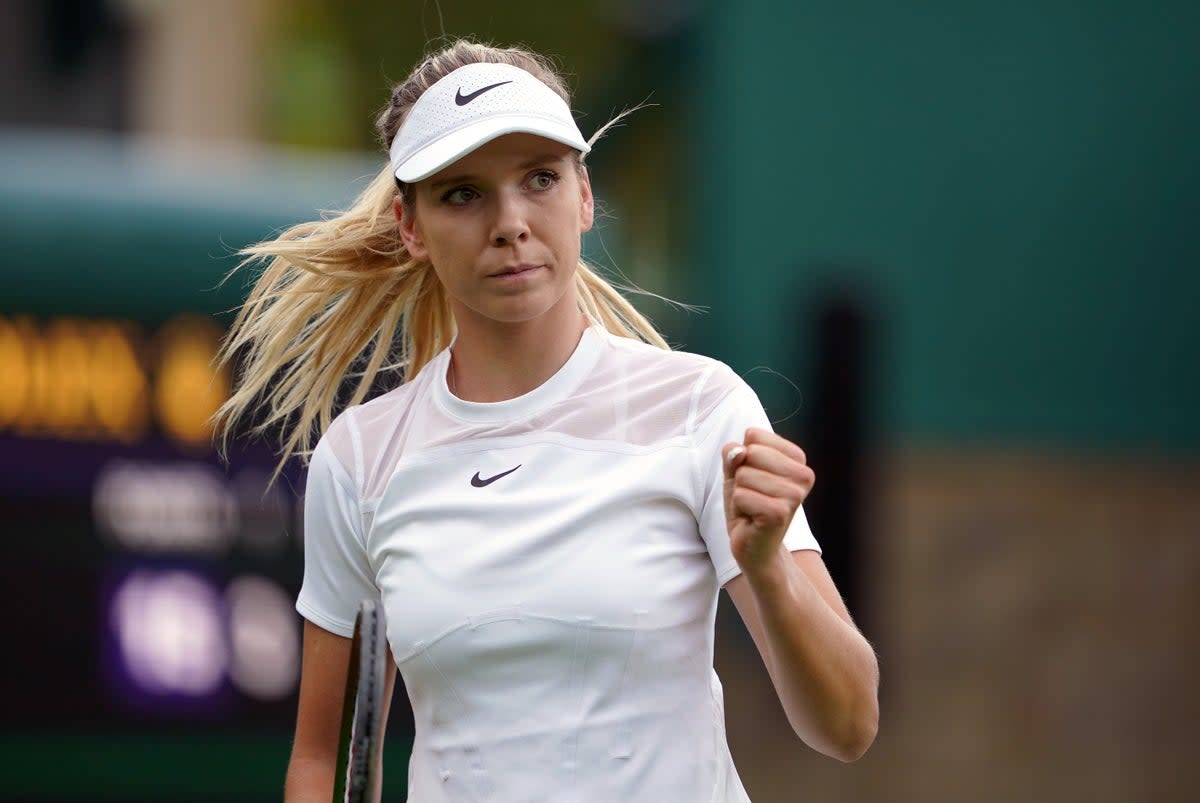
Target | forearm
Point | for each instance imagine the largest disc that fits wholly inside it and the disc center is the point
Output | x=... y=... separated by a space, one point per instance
x=824 y=670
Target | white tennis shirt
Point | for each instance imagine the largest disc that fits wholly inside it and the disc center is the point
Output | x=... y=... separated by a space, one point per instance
x=549 y=566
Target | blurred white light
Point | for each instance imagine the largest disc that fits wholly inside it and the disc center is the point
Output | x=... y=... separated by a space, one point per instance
x=169 y=628
x=182 y=508
x=264 y=636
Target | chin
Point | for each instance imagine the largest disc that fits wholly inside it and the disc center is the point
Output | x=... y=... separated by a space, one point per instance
x=524 y=308
x=512 y=313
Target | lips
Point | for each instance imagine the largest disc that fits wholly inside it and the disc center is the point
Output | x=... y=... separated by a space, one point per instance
x=513 y=270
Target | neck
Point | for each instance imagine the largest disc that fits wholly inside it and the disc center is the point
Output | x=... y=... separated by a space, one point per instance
x=492 y=361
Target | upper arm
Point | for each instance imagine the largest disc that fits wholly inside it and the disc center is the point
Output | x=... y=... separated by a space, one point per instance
x=324 y=666
x=338 y=574
x=323 y=669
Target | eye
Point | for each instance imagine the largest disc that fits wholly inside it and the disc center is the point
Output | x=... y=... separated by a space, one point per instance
x=543 y=179
x=459 y=196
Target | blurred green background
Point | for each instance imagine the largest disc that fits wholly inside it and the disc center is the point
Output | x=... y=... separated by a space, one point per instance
x=952 y=246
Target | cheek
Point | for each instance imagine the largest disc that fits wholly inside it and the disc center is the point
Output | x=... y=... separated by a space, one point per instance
x=444 y=267
x=442 y=243
x=565 y=226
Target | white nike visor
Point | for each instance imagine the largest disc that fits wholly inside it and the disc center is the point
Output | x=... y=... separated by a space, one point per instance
x=472 y=106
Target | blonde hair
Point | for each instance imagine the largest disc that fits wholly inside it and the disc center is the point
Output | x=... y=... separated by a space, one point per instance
x=342 y=297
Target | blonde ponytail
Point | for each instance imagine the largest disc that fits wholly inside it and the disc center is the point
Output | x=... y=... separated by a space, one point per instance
x=328 y=304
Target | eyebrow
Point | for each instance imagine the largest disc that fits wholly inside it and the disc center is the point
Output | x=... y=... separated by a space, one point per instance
x=466 y=178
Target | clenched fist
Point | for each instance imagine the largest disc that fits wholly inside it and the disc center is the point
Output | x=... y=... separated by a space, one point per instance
x=766 y=480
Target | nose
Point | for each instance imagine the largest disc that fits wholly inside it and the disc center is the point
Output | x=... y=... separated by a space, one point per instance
x=510 y=224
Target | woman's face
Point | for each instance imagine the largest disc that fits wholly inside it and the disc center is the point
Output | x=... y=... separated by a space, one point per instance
x=501 y=227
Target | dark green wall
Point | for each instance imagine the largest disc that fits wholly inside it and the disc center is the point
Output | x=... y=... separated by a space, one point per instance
x=98 y=226
x=1010 y=188
x=122 y=258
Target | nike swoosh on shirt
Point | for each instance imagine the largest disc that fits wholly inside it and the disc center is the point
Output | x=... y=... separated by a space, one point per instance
x=480 y=483
x=463 y=100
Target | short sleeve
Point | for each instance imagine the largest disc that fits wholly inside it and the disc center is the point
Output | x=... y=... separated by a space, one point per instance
x=739 y=410
x=337 y=572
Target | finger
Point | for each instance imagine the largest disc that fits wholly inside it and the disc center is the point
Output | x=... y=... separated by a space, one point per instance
x=762 y=509
x=791 y=489
x=773 y=439
x=768 y=458
x=733 y=455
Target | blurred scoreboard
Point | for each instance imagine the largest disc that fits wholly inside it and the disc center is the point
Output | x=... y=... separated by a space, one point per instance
x=149 y=583
x=156 y=579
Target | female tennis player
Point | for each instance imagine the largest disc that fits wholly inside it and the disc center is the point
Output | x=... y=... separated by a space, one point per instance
x=550 y=502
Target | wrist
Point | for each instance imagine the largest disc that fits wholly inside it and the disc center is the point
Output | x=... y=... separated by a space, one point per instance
x=769 y=573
